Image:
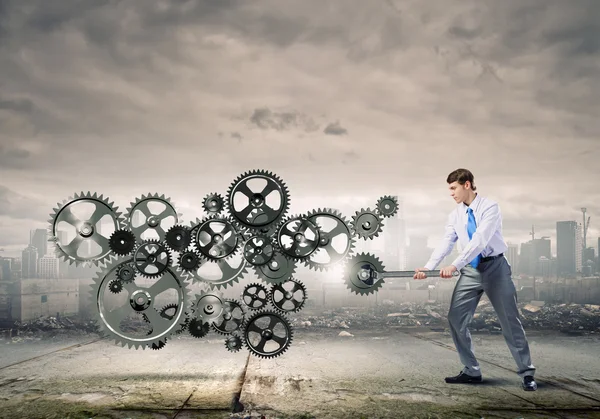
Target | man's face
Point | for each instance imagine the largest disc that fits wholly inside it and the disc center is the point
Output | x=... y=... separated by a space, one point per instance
x=459 y=192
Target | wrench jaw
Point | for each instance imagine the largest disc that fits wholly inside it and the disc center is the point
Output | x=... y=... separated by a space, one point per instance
x=368 y=275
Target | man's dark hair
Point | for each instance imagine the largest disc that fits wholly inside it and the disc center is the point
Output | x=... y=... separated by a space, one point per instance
x=461 y=176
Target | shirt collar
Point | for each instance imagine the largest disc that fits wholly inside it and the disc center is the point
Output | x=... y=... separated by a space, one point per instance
x=473 y=205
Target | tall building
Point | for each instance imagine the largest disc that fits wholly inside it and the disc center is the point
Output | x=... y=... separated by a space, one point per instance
x=512 y=255
x=48 y=267
x=38 y=238
x=6 y=269
x=598 y=258
x=568 y=247
x=526 y=258
x=29 y=260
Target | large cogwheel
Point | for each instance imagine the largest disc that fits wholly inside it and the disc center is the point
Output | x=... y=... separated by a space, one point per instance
x=289 y=296
x=147 y=222
x=358 y=273
x=298 y=237
x=336 y=241
x=88 y=233
x=387 y=206
x=219 y=274
x=115 y=312
x=366 y=224
x=279 y=269
x=213 y=203
x=267 y=334
x=232 y=318
x=255 y=296
x=216 y=237
x=252 y=206
x=151 y=258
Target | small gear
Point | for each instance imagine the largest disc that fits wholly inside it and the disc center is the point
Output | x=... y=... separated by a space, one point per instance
x=279 y=269
x=232 y=318
x=87 y=231
x=233 y=343
x=366 y=224
x=178 y=238
x=213 y=203
x=258 y=250
x=387 y=206
x=216 y=237
x=298 y=237
x=256 y=212
x=292 y=293
x=336 y=241
x=151 y=258
x=357 y=273
x=267 y=328
x=189 y=261
x=144 y=223
x=126 y=273
x=158 y=346
x=255 y=296
x=122 y=242
x=198 y=328
x=208 y=307
x=115 y=286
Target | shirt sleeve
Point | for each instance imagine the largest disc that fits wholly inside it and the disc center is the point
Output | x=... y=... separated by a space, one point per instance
x=485 y=231
x=445 y=247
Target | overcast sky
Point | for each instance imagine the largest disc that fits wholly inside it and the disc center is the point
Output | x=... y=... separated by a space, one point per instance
x=345 y=100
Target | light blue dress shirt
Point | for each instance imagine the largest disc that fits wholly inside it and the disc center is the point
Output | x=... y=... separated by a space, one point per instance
x=486 y=240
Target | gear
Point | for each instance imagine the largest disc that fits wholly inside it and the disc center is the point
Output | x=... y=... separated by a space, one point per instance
x=213 y=203
x=216 y=237
x=198 y=328
x=151 y=258
x=233 y=343
x=279 y=269
x=357 y=272
x=231 y=270
x=189 y=261
x=298 y=237
x=267 y=328
x=336 y=241
x=255 y=296
x=232 y=318
x=143 y=222
x=283 y=293
x=178 y=238
x=387 y=206
x=87 y=232
x=258 y=250
x=158 y=346
x=115 y=286
x=122 y=242
x=208 y=307
x=366 y=224
x=125 y=272
x=255 y=213
x=113 y=312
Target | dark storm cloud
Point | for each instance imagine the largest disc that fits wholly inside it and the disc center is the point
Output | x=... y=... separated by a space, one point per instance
x=282 y=121
x=334 y=128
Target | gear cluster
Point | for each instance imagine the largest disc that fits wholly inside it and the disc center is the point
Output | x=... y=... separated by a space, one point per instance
x=248 y=229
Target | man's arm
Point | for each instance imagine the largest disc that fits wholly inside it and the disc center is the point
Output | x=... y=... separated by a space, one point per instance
x=485 y=230
x=445 y=247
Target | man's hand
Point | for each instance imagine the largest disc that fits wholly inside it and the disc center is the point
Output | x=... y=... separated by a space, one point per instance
x=420 y=273
x=447 y=271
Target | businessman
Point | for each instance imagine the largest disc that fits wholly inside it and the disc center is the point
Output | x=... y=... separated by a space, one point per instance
x=477 y=224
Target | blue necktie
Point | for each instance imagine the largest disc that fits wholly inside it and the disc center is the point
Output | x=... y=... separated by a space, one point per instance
x=471 y=227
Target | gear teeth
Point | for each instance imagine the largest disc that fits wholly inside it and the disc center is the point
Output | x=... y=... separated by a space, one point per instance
x=261 y=313
x=300 y=306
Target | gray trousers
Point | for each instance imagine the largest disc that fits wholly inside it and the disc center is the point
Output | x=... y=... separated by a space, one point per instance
x=493 y=277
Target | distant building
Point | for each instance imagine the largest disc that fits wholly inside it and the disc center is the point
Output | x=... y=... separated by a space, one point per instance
x=6 y=269
x=48 y=267
x=568 y=247
x=512 y=255
x=29 y=261
x=38 y=238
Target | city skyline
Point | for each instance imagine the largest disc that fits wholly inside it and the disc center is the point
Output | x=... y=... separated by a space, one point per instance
x=346 y=103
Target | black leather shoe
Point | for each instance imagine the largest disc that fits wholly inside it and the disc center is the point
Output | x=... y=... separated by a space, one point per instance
x=529 y=383
x=463 y=378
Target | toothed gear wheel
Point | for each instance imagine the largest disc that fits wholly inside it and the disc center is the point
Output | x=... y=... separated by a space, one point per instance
x=112 y=313
x=146 y=222
x=189 y=261
x=279 y=269
x=151 y=258
x=298 y=237
x=198 y=328
x=122 y=242
x=253 y=210
x=115 y=286
x=231 y=270
x=387 y=206
x=160 y=345
x=232 y=318
x=255 y=296
x=63 y=221
x=178 y=238
x=336 y=241
x=216 y=238
x=288 y=297
x=233 y=343
x=357 y=270
x=258 y=250
x=208 y=307
x=267 y=334
x=366 y=224
x=213 y=203
x=126 y=272
x=169 y=311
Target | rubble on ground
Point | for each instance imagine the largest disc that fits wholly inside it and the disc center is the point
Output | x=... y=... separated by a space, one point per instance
x=48 y=326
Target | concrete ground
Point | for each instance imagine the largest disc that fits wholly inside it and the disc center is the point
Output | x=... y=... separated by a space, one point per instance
x=387 y=373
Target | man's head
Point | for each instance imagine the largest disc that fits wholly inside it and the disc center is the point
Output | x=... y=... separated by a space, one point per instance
x=462 y=186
